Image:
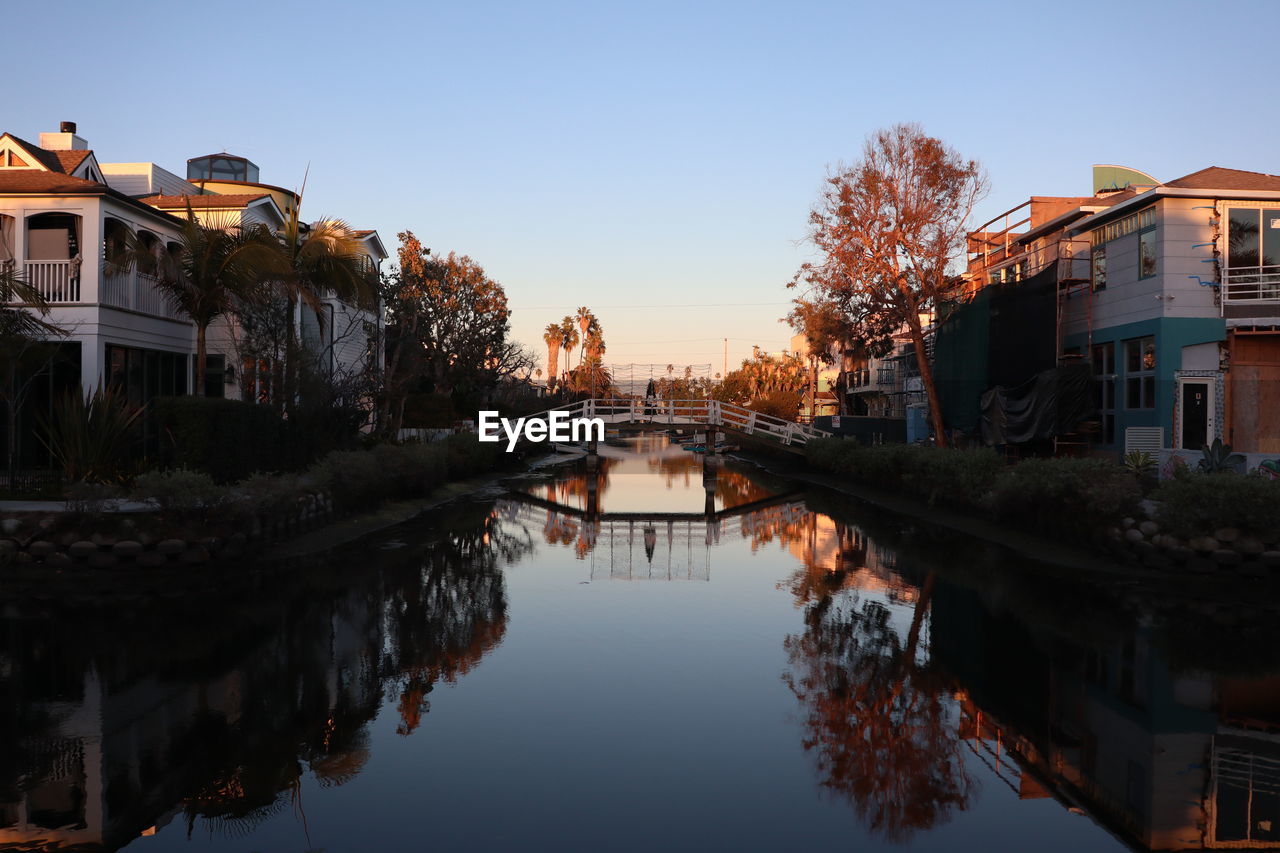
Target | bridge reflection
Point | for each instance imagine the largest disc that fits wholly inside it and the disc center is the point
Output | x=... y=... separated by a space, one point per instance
x=652 y=546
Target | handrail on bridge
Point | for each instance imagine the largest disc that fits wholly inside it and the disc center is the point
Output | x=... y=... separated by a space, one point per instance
x=707 y=413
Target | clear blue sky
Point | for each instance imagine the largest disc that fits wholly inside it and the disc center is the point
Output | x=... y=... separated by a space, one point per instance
x=637 y=157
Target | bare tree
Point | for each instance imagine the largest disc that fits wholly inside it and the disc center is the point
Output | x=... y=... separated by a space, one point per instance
x=888 y=228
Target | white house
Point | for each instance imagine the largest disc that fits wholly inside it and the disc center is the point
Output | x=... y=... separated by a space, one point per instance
x=63 y=214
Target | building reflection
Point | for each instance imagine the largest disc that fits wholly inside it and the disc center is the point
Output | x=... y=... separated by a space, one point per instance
x=123 y=725
x=1165 y=756
x=911 y=679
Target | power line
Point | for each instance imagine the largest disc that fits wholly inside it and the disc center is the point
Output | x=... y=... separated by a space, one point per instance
x=517 y=306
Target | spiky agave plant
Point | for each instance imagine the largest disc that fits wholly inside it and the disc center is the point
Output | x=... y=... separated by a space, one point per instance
x=89 y=435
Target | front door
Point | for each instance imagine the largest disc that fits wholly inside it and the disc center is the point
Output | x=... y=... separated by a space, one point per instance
x=1197 y=425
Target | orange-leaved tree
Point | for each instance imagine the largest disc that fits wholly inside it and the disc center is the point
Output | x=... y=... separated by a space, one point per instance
x=887 y=229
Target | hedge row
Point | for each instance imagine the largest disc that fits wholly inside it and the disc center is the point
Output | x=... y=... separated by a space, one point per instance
x=231 y=439
x=1065 y=497
x=352 y=480
x=1203 y=504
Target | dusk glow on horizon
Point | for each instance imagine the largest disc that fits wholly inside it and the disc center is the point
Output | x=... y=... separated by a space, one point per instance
x=654 y=161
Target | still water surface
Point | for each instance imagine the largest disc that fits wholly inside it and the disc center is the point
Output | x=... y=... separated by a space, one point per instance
x=645 y=655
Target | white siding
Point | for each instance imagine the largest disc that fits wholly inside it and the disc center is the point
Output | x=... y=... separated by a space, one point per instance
x=137 y=179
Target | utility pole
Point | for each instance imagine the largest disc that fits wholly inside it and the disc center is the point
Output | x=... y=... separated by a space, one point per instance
x=725 y=374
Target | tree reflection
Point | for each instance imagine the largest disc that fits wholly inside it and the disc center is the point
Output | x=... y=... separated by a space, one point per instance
x=450 y=612
x=881 y=724
x=222 y=708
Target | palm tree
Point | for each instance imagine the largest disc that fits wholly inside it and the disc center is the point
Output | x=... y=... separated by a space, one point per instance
x=215 y=271
x=553 y=338
x=323 y=259
x=594 y=342
x=585 y=318
x=22 y=327
x=591 y=378
x=568 y=338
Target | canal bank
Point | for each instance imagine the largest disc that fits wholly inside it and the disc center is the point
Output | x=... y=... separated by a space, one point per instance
x=828 y=668
x=182 y=520
x=1125 y=537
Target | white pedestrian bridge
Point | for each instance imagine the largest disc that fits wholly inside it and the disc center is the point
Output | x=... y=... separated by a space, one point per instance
x=691 y=414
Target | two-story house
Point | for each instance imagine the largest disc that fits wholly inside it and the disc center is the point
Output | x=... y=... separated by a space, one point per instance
x=1181 y=316
x=1170 y=292
x=64 y=219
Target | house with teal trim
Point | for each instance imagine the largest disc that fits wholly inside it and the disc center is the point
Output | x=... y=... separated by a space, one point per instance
x=1169 y=294
x=1180 y=316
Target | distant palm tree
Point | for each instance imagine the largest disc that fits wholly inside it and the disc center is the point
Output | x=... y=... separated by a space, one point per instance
x=568 y=338
x=553 y=337
x=215 y=270
x=585 y=318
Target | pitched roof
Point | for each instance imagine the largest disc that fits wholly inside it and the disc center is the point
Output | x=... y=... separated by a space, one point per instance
x=362 y=233
x=203 y=201
x=1218 y=178
x=34 y=181
x=64 y=162
x=48 y=159
x=69 y=161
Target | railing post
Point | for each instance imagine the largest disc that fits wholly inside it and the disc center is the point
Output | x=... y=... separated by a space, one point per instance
x=751 y=423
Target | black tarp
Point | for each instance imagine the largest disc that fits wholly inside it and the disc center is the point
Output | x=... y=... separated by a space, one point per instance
x=1052 y=403
x=1004 y=336
x=1021 y=329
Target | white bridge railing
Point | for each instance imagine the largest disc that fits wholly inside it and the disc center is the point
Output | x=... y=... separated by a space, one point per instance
x=690 y=413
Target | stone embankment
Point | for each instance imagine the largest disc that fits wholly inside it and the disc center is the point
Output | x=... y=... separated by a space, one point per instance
x=136 y=540
x=1226 y=550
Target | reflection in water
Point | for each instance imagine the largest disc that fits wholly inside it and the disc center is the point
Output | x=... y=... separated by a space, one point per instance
x=104 y=733
x=906 y=693
x=926 y=677
x=878 y=717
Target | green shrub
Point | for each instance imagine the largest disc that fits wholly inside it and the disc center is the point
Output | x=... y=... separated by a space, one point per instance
x=353 y=478
x=92 y=438
x=271 y=495
x=1067 y=496
x=363 y=478
x=232 y=439
x=93 y=499
x=227 y=439
x=961 y=478
x=183 y=494
x=1197 y=504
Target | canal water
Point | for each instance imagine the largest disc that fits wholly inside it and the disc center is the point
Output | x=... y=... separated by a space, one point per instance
x=648 y=653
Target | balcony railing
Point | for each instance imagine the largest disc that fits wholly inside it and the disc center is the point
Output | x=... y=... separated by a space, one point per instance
x=136 y=291
x=53 y=280
x=1252 y=284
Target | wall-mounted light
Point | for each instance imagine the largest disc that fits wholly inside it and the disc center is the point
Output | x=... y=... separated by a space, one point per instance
x=229 y=375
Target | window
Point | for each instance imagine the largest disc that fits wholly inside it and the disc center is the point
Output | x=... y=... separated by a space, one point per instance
x=1099 y=268
x=1253 y=253
x=1104 y=385
x=1147 y=254
x=215 y=375
x=1243 y=238
x=1140 y=373
x=1125 y=225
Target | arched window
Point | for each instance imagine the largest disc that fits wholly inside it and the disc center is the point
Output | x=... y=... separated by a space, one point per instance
x=115 y=245
x=148 y=255
x=8 y=248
